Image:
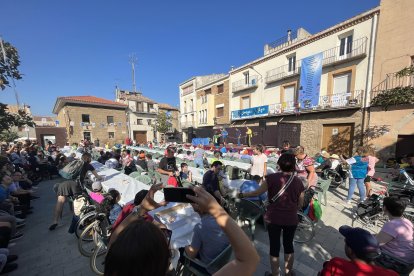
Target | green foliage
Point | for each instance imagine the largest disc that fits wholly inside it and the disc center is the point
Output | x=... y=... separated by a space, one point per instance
x=8 y=136
x=9 y=120
x=395 y=96
x=161 y=124
x=9 y=67
x=407 y=71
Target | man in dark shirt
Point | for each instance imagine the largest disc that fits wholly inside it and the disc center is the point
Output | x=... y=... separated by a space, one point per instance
x=71 y=188
x=211 y=181
x=168 y=168
x=286 y=148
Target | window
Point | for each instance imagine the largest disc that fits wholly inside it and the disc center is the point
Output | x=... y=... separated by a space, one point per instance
x=191 y=105
x=192 y=118
x=111 y=135
x=342 y=83
x=110 y=119
x=139 y=122
x=150 y=107
x=245 y=102
x=292 y=63
x=205 y=116
x=140 y=107
x=220 y=112
x=185 y=107
x=149 y=121
x=246 y=77
x=288 y=101
x=220 y=89
x=87 y=136
x=345 y=46
x=85 y=118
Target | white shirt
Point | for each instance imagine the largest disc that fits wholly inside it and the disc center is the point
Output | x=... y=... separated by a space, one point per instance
x=258 y=162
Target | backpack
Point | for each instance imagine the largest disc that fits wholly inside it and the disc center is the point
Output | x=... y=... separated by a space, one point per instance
x=72 y=170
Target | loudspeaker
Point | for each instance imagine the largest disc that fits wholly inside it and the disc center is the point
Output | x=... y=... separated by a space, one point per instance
x=262 y=124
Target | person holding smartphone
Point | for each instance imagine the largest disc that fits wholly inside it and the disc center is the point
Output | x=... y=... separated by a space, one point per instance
x=211 y=181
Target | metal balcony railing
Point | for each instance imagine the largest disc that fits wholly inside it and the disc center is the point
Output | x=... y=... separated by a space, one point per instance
x=357 y=48
x=282 y=42
x=246 y=83
x=334 y=55
x=392 y=81
x=327 y=102
x=282 y=72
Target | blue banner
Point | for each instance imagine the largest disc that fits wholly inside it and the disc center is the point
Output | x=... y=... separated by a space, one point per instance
x=253 y=112
x=310 y=81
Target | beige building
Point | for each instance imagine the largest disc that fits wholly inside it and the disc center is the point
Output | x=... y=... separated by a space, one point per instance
x=173 y=114
x=89 y=117
x=266 y=90
x=189 y=113
x=392 y=131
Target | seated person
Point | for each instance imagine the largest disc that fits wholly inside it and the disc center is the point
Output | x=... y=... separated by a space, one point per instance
x=361 y=248
x=96 y=193
x=168 y=168
x=325 y=162
x=151 y=166
x=244 y=154
x=223 y=149
x=208 y=240
x=142 y=162
x=180 y=154
x=116 y=209
x=211 y=181
x=189 y=156
x=185 y=173
x=334 y=161
x=128 y=208
x=396 y=238
x=253 y=185
x=217 y=156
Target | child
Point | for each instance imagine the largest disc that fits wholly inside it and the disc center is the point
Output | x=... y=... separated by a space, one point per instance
x=96 y=193
x=116 y=209
x=372 y=160
x=185 y=173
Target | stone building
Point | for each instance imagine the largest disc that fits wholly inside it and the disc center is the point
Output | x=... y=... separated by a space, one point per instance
x=392 y=131
x=89 y=117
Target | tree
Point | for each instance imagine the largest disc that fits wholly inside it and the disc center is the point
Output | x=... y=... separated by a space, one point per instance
x=8 y=136
x=9 y=70
x=161 y=124
x=9 y=67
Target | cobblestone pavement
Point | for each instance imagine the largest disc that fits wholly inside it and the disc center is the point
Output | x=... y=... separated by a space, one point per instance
x=44 y=252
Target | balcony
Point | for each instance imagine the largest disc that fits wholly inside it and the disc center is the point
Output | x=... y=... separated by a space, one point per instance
x=332 y=56
x=185 y=125
x=328 y=102
x=244 y=84
x=151 y=111
x=281 y=72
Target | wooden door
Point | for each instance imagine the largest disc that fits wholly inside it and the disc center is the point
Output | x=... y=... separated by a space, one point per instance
x=338 y=138
x=140 y=137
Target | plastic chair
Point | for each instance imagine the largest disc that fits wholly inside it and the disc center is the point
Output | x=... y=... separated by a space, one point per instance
x=221 y=260
x=249 y=211
x=187 y=184
x=134 y=174
x=323 y=184
x=144 y=179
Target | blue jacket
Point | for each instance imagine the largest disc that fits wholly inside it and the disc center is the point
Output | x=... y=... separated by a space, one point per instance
x=360 y=168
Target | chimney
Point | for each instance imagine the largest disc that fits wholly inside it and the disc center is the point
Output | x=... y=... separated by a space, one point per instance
x=289 y=33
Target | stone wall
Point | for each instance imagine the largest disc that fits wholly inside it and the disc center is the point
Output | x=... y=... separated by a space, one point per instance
x=97 y=116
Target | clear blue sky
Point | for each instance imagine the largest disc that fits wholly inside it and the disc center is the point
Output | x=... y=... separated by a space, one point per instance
x=81 y=47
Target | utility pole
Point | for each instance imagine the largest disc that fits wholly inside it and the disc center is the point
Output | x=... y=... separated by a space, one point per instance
x=8 y=65
x=133 y=60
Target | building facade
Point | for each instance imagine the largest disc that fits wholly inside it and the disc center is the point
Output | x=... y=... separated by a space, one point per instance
x=392 y=131
x=189 y=117
x=265 y=93
x=89 y=117
x=173 y=113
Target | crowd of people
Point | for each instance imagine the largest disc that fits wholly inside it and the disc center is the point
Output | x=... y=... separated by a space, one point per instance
x=136 y=238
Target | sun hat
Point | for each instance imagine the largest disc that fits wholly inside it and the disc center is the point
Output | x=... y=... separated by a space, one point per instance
x=334 y=156
x=325 y=154
x=96 y=186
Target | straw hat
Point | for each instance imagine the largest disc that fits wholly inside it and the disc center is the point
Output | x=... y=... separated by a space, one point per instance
x=334 y=156
x=325 y=154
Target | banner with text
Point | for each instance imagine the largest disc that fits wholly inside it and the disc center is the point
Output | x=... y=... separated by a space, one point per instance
x=248 y=113
x=310 y=81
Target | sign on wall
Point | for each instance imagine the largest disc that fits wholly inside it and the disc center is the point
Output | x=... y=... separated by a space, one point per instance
x=253 y=112
x=310 y=81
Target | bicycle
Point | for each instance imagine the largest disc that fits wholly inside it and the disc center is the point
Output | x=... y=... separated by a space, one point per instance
x=90 y=237
x=97 y=260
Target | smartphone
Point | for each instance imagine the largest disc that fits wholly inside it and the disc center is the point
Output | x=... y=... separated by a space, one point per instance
x=178 y=194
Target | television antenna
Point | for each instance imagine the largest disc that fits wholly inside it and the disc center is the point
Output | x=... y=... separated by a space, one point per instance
x=133 y=60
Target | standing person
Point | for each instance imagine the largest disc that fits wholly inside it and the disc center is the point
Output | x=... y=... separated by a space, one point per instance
x=71 y=188
x=216 y=139
x=96 y=142
x=259 y=162
x=359 y=170
x=249 y=135
x=238 y=136
x=281 y=213
x=211 y=181
x=305 y=166
x=168 y=168
x=396 y=238
x=224 y=134
x=199 y=155
x=286 y=147
x=372 y=160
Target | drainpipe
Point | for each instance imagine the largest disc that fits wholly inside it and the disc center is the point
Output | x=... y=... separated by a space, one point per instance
x=367 y=95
